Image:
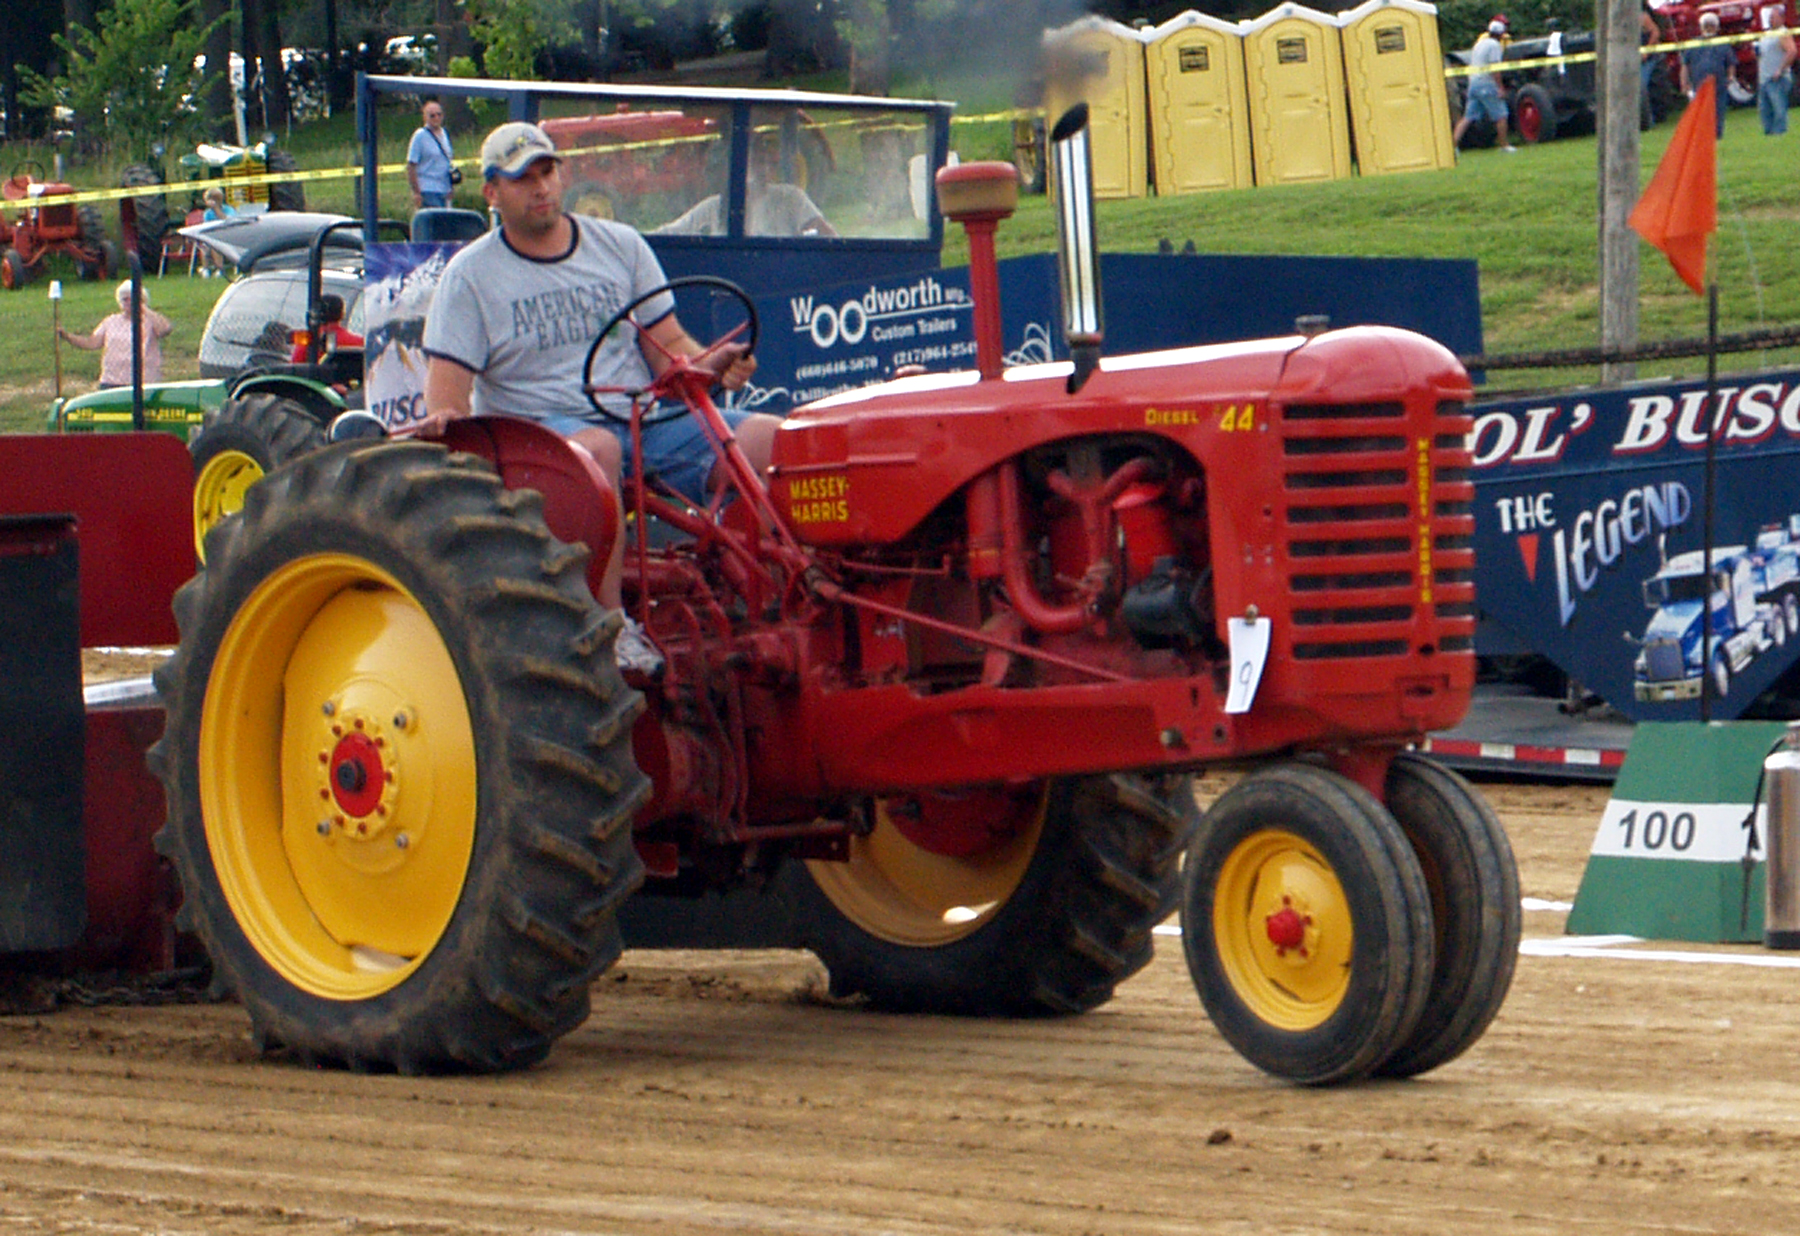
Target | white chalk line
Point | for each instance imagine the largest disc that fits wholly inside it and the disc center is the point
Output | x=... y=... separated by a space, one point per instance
x=1613 y=947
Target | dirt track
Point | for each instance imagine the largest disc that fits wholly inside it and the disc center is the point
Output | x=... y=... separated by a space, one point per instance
x=714 y=1093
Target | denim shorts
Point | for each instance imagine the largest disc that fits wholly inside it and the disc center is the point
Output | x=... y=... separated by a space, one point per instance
x=677 y=451
x=1485 y=104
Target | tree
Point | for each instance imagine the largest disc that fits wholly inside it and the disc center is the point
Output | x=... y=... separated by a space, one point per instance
x=513 y=35
x=131 y=76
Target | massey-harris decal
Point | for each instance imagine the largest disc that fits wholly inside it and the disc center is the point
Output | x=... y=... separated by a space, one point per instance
x=819 y=499
x=1423 y=471
x=1589 y=524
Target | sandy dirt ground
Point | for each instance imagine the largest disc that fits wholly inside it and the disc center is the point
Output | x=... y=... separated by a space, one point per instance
x=715 y=1092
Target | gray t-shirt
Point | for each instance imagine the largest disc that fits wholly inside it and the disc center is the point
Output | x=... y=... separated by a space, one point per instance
x=1771 y=57
x=1488 y=52
x=524 y=325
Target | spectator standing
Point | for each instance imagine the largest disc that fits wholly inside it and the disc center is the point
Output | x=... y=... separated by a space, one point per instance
x=112 y=339
x=1486 y=100
x=1650 y=33
x=1716 y=61
x=430 y=165
x=212 y=266
x=1774 y=71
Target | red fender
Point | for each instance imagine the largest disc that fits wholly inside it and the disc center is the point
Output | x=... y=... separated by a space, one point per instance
x=579 y=504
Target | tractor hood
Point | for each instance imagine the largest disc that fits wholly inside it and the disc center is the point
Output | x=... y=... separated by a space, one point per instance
x=870 y=464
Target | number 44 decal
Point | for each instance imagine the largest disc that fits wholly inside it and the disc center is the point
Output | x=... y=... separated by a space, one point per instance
x=1236 y=418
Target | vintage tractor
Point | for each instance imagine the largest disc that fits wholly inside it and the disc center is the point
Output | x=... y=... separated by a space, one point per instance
x=44 y=225
x=942 y=674
x=144 y=220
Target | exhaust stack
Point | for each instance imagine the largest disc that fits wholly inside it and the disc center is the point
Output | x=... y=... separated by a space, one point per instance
x=1078 y=260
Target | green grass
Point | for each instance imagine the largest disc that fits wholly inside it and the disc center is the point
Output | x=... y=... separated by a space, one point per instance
x=1527 y=219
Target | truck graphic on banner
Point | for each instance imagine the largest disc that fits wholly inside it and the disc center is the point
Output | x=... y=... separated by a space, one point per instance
x=1749 y=596
x=1590 y=509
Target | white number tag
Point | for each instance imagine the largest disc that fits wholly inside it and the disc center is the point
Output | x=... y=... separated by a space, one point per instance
x=1249 y=652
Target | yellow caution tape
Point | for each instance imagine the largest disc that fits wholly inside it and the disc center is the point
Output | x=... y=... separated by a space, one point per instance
x=1646 y=49
x=235 y=180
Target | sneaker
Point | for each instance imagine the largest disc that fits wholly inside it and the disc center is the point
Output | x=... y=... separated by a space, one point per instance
x=1510 y=149
x=633 y=650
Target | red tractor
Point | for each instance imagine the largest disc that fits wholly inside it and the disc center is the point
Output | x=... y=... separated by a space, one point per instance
x=1680 y=21
x=943 y=674
x=43 y=225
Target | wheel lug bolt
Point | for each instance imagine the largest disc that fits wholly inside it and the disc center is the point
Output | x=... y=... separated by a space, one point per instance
x=401 y=841
x=401 y=720
x=324 y=828
x=328 y=708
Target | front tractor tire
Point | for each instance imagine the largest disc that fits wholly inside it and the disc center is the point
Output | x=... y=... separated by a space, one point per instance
x=1046 y=911
x=245 y=440
x=398 y=765
x=1475 y=909
x=1306 y=921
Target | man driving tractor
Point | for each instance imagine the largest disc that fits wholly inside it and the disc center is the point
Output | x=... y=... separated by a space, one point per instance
x=512 y=319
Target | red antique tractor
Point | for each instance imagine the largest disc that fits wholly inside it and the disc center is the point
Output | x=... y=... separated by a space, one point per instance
x=942 y=674
x=35 y=224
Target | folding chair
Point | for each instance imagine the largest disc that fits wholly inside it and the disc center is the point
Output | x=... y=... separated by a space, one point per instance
x=177 y=246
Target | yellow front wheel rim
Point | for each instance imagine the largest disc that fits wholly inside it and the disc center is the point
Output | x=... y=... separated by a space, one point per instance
x=1283 y=929
x=337 y=777
x=219 y=491
x=905 y=894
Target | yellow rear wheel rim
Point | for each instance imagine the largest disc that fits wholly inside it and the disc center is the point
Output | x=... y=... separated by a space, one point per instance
x=906 y=895
x=219 y=491
x=1283 y=929
x=337 y=777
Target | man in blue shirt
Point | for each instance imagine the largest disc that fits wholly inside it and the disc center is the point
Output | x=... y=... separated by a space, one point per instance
x=429 y=162
x=1715 y=61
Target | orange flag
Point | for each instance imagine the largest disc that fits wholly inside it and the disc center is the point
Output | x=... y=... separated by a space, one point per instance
x=1680 y=206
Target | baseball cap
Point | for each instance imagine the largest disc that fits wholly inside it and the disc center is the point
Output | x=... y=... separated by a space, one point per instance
x=1498 y=25
x=513 y=147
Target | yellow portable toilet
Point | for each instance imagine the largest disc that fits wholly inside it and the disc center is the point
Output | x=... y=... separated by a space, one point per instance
x=1299 y=120
x=1394 y=67
x=1199 y=112
x=1101 y=63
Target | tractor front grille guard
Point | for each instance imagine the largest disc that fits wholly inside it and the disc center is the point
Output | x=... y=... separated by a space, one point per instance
x=1378 y=530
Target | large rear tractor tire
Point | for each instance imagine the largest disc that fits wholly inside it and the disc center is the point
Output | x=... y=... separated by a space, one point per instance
x=1029 y=901
x=143 y=221
x=398 y=765
x=245 y=440
x=1307 y=925
x=1475 y=911
x=93 y=239
x=287 y=194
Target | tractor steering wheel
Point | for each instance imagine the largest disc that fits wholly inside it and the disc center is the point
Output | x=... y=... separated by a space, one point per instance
x=666 y=383
x=22 y=172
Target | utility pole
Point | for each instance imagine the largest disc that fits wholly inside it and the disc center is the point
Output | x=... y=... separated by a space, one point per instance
x=1620 y=85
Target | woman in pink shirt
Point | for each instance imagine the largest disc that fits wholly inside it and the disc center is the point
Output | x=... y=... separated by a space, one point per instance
x=112 y=337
